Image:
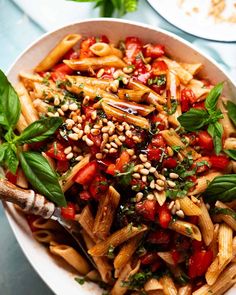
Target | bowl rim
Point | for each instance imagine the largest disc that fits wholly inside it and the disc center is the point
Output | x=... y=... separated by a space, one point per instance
x=8 y=207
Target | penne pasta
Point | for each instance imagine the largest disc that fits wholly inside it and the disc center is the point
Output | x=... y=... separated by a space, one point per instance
x=44 y=236
x=58 y=52
x=199 y=89
x=90 y=81
x=193 y=69
x=86 y=220
x=186 y=229
x=226 y=218
x=230 y=143
x=202 y=182
x=168 y=285
x=185 y=290
x=189 y=208
x=205 y=224
x=153 y=285
x=104 y=49
x=132 y=95
x=225 y=244
x=21 y=124
x=21 y=180
x=45 y=224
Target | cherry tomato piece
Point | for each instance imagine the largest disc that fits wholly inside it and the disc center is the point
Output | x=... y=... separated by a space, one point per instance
x=164 y=216
x=205 y=141
x=154 y=51
x=87 y=173
x=169 y=163
x=220 y=162
x=147 y=209
x=69 y=211
x=199 y=263
x=56 y=151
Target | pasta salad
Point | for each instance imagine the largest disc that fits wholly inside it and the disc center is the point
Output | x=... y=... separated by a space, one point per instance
x=138 y=150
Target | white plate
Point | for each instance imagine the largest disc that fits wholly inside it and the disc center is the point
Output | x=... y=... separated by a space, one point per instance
x=197 y=23
x=51 y=270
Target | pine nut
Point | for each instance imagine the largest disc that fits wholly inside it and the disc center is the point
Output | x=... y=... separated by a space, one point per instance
x=80 y=134
x=136 y=139
x=144 y=178
x=67 y=150
x=76 y=130
x=159 y=188
x=118 y=142
x=121 y=138
x=128 y=133
x=73 y=107
x=73 y=136
x=171 y=205
x=144 y=171
x=114 y=145
x=61 y=113
x=160 y=182
x=112 y=150
x=94 y=115
x=50 y=114
x=89 y=142
x=139 y=196
x=125 y=80
x=150 y=197
x=152 y=184
x=128 y=70
x=99 y=156
x=105 y=129
x=136 y=175
x=108 y=146
x=177 y=205
x=100 y=73
x=170 y=152
x=69 y=156
x=174 y=175
x=171 y=183
x=180 y=213
x=143 y=158
x=96 y=126
x=147 y=165
x=79 y=158
x=95 y=131
x=152 y=169
x=87 y=129
x=56 y=101
x=130 y=152
x=64 y=107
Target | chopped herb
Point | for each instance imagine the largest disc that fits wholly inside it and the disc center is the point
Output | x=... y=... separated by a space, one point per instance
x=158 y=80
x=51 y=109
x=55 y=150
x=46 y=78
x=188 y=231
x=110 y=253
x=81 y=85
x=140 y=56
x=173 y=107
x=81 y=281
x=136 y=281
x=126 y=176
x=176 y=148
x=101 y=114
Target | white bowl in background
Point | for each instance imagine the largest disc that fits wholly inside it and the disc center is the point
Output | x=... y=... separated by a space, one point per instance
x=48 y=267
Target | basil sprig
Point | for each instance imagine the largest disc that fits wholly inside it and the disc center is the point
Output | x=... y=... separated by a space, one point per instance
x=231 y=108
x=195 y=119
x=35 y=166
x=41 y=176
x=231 y=154
x=222 y=188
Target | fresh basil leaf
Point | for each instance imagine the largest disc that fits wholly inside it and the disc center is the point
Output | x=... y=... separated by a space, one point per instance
x=231 y=108
x=222 y=188
x=231 y=154
x=9 y=103
x=194 y=119
x=11 y=159
x=225 y=211
x=39 y=130
x=212 y=97
x=216 y=132
x=3 y=148
x=41 y=176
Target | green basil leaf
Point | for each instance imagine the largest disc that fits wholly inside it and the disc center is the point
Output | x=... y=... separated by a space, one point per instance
x=11 y=159
x=216 y=132
x=3 y=148
x=39 y=130
x=42 y=177
x=194 y=119
x=231 y=154
x=213 y=96
x=225 y=211
x=222 y=188
x=231 y=108
x=9 y=103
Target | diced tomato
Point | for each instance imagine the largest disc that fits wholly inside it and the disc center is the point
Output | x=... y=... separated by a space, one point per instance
x=11 y=177
x=205 y=141
x=143 y=77
x=187 y=98
x=111 y=169
x=199 y=164
x=180 y=242
x=197 y=245
x=71 y=54
x=193 y=138
x=199 y=263
x=159 y=67
x=122 y=161
x=193 y=219
x=147 y=209
x=158 y=141
x=155 y=266
x=220 y=162
x=84 y=47
x=98 y=186
x=175 y=256
x=56 y=151
x=154 y=51
x=62 y=68
x=154 y=153
x=87 y=173
x=84 y=195
x=164 y=216
x=159 y=237
x=199 y=105
x=87 y=110
x=30 y=220
x=129 y=142
x=149 y=258
x=138 y=183
x=160 y=123
x=169 y=163
x=69 y=211
x=133 y=47
x=63 y=166
x=104 y=39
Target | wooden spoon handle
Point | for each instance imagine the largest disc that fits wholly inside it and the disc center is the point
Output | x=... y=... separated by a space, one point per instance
x=28 y=200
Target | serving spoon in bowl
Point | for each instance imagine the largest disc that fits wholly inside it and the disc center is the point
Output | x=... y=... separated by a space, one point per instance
x=33 y=203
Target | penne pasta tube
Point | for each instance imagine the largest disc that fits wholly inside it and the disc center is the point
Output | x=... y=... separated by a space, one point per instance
x=202 y=182
x=228 y=219
x=214 y=243
x=186 y=229
x=27 y=108
x=230 y=143
x=58 y=52
x=46 y=224
x=43 y=91
x=185 y=290
x=103 y=49
x=229 y=129
x=41 y=106
x=86 y=220
x=90 y=81
x=193 y=69
x=168 y=285
x=67 y=180
x=106 y=213
x=102 y=263
x=128 y=271
x=225 y=244
x=168 y=257
x=175 y=67
x=132 y=95
x=227 y=279
x=93 y=276
x=199 y=89
x=122 y=116
x=189 y=208
x=44 y=236
x=28 y=79
x=21 y=124
x=126 y=252
x=206 y=225
x=153 y=285
x=117 y=238
x=72 y=257
x=173 y=139
x=95 y=63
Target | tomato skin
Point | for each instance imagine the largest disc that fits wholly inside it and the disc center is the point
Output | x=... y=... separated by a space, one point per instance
x=203 y=168
x=56 y=151
x=154 y=51
x=158 y=141
x=98 y=186
x=159 y=67
x=111 y=169
x=147 y=209
x=84 y=47
x=129 y=142
x=161 y=125
x=187 y=97
x=169 y=163
x=84 y=195
x=175 y=256
x=149 y=258
x=154 y=153
x=69 y=211
x=205 y=141
x=63 y=166
x=159 y=237
x=220 y=162
x=199 y=263
x=199 y=105
x=122 y=161
x=11 y=177
x=59 y=72
x=87 y=173
x=133 y=47
x=164 y=216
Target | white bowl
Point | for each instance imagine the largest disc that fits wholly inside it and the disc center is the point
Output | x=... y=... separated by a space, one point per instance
x=51 y=271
